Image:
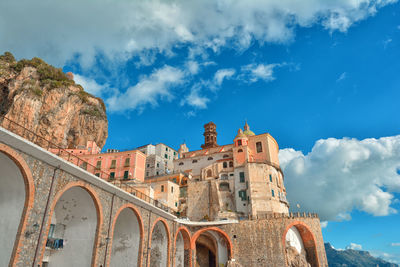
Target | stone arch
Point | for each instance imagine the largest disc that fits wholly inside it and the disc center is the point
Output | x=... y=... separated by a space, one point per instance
x=182 y=253
x=14 y=163
x=131 y=255
x=157 y=244
x=223 y=255
x=98 y=212
x=308 y=239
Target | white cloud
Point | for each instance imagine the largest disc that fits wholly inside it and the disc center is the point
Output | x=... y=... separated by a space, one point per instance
x=324 y=224
x=354 y=246
x=195 y=100
x=90 y=85
x=340 y=175
x=341 y=77
x=193 y=67
x=57 y=30
x=395 y=244
x=148 y=90
x=223 y=74
x=253 y=72
x=387 y=42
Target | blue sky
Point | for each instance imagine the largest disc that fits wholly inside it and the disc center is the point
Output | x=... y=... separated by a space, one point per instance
x=321 y=76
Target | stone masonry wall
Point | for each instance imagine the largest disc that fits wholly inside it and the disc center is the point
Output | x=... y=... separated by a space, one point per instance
x=260 y=242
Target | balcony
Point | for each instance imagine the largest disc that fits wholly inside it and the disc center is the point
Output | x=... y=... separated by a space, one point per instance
x=282 y=198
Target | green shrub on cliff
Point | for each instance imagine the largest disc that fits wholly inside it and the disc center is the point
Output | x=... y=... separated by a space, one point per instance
x=48 y=75
x=8 y=57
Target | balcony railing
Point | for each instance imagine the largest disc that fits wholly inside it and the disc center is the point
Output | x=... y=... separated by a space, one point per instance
x=55 y=243
x=33 y=137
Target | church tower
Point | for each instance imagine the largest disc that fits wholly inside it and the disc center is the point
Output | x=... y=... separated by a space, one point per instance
x=210 y=135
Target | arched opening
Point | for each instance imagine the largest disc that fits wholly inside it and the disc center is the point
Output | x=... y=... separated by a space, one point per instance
x=13 y=197
x=300 y=248
x=212 y=248
x=209 y=173
x=159 y=245
x=127 y=239
x=72 y=231
x=182 y=248
x=224 y=186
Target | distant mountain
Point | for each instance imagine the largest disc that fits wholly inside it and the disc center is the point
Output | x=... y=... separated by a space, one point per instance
x=353 y=258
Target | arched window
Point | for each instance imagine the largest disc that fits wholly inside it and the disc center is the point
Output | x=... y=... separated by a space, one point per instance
x=226 y=156
x=209 y=173
x=240 y=150
x=180 y=163
x=230 y=163
x=210 y=158
x=225 y=164
x=194 y=161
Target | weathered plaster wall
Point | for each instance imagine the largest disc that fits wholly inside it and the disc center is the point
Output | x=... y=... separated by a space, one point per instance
x=180 y=251
x=126 y=240
x=159 y=246
x=76 y=221
x=12 y=198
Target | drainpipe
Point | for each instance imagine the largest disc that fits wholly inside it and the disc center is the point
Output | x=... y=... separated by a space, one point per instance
x=34 y=262
x=108 y=232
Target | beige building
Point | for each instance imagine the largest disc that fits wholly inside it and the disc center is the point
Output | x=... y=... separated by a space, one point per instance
x=242 y=179
x=159 y=160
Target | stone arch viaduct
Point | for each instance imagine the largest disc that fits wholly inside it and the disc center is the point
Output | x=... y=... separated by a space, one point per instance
x=53 y=213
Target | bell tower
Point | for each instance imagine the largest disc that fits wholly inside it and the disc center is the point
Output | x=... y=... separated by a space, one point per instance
x=210 y=135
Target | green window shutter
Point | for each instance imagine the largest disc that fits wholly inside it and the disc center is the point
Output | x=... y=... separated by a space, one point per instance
x=241 y=175
x=273 y=193
x=270 y=178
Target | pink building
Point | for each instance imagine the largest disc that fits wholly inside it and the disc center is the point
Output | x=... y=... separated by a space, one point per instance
x=124 y=166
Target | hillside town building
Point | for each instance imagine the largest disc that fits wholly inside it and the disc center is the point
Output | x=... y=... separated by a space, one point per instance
x=63 y=214
x=236 y=180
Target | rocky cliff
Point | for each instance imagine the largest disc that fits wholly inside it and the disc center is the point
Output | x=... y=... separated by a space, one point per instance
x=48 y=102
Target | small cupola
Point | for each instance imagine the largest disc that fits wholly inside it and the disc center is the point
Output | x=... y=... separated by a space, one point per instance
x=241 y=139
x=247 y=130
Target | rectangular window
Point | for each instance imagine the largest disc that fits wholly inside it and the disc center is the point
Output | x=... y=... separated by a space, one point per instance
x=242 y=195
x=273 y=193
x=98 y=165
x=113 y=163
x=259 y=147
x=166 y=149
x=147 y=173
x=270 y=178
x=172 y=189
x=112 y=175
x=158 y=165
x=162 y=188
x=176 y=204
x=148 y=165
x=241 y=176
x=239 y=142
x=166 y=156
x=126 y=175
x=97 y=174
x=127 y=162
